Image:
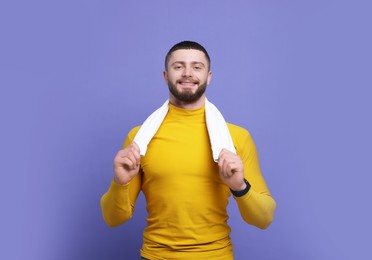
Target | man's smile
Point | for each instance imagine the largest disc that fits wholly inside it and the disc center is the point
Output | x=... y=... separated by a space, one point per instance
x=187 y=83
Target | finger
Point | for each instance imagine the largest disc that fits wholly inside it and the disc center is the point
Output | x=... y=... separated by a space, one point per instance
x=224 y=169
x=119 y=159
x=221 y=162
x=226 y=155
x=222 y=157
x=132 y=158
x=123 y=153
x=136 y=154
x=129 y=164
x=135 y=146
x=135 y=150
x=228 y=163
x=226 y=152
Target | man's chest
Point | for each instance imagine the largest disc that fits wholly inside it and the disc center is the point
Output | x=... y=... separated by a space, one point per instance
x=179 y=150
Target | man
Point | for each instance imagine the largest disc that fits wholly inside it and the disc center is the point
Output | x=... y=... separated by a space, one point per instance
x=186 y=190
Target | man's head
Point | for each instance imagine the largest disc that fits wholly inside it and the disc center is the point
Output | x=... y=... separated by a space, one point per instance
x=187 y=45
x=187 y=73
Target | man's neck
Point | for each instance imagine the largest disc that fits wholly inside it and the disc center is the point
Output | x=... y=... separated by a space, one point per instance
x=187 y=105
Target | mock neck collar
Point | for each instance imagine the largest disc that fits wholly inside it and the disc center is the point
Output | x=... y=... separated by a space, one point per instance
x=186 y=114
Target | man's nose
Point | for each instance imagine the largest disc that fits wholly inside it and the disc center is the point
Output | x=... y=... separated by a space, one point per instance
x=187 y=72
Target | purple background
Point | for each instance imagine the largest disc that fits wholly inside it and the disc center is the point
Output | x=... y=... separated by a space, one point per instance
x=76 y=76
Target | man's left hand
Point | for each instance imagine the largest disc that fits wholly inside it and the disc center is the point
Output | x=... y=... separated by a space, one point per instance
x=231 y=170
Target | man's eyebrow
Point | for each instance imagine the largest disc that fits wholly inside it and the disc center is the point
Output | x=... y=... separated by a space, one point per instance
x=193 y=62
x=179 y=62
x=198 y=62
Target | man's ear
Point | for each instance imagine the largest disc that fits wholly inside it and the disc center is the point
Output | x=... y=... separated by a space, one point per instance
x=165 y=75
x=209 y=77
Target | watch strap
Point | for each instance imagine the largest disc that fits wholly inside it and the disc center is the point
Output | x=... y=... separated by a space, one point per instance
x=241 y=192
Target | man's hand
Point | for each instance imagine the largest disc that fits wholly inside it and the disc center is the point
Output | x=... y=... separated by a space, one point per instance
x=231 y=170
x=126 y=164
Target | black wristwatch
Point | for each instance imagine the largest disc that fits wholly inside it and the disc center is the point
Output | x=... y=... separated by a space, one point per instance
x=241 y=192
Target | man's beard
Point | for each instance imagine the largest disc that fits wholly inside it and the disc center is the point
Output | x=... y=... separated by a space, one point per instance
x=187 y=95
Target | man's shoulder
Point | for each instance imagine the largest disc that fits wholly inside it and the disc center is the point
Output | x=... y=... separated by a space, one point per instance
x=236 y=130
x=132 y=133
x=242 y=139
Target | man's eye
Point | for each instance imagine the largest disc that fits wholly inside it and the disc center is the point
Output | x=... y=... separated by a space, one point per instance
x=197 y=68
x=178 y=67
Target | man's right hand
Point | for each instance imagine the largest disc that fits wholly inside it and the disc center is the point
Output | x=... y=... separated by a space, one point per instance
x=126 y=164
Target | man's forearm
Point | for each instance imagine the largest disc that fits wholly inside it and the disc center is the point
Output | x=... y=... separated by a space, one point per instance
x=115 y=205
x=257 y=209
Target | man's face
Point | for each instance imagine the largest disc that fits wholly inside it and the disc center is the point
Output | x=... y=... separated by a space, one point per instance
x=187 y=75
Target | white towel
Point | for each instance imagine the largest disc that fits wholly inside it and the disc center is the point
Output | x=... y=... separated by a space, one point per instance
x=218 y=131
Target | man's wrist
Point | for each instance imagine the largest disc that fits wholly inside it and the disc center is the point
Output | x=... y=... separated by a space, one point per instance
x=240 y=193
x=117 y=181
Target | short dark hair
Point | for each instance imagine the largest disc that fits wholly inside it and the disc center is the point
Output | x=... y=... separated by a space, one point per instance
x=187 y=45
